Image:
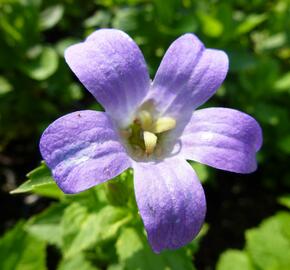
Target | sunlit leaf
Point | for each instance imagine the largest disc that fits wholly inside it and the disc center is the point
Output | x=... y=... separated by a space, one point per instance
x=50 y=16
x=5 y=86
x=272 y=42
x=101 y=19
x=283 y=83
x=46 y=226
x=134 y=253
x=250 y=22
x=269 y=245
x=201 y=170
x=234 y=260
x=74 y=216
x=126 y=19
x=211 y=26
x=39 y=177
x=91 y=229
x=42 y=66
x=76 y=263
x=20 y=251
x=285 y=200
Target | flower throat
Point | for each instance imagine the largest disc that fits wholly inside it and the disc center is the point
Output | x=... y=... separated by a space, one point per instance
x=145 y=134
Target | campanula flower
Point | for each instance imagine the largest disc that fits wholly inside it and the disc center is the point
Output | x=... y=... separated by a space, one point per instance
x=150 y=126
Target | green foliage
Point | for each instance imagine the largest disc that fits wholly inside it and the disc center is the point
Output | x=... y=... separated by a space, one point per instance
x=267 y=247
x=5 y=86
x=20 y=251
x=40 y=182
x=101 y=228
x=84 y=226
x=41 y=64
x=134 y=253
x=46 y=225
x=50 y=16
x=285 y=200
x=76 y=263
x=234 y=260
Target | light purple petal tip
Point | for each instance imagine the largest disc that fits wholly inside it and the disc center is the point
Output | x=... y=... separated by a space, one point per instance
x=82 y=149
x=171 y=202
x=223 y=138
x=188 y=76
x=113 y=69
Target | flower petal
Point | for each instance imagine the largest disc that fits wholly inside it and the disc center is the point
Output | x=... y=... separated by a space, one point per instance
x=171 y=202
x=188 y=76
x=222 y=138
x=82 y=149
x=113 y=69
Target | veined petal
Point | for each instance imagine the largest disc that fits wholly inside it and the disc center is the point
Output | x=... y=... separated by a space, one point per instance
x=188 y=76
x=223 y=138
x=113 y=69
x=171 y=202
x=82 y=149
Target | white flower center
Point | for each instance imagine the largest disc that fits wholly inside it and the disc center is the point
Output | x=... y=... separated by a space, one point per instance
x=143 y=137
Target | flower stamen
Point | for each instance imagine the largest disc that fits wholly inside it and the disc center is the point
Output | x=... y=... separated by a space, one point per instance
x=150 y=141
x=144 y=136
x=145 y=119
x=164 y=124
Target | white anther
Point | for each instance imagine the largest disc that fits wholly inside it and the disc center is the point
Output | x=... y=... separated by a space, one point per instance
x=150 y=141
x=145 y=119
x=164 y=124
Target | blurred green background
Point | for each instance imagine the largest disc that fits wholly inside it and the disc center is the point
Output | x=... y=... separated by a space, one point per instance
x=248 y=219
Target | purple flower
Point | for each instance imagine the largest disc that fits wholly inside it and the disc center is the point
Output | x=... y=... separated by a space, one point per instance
x=150 y=127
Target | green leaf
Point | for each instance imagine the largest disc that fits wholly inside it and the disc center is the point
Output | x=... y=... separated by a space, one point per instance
x=264 y=43
x=20 y=251
x=40 y=182
x=50 y=190
x=93 y=199
x=72 y=220
x=201 y=170
x=285 y=200
x=116 y=267
x=76 y=263
x=251 y=21
x=134 y=253
x=126 y=19
x=284 y=144
x=46 y=226
x=234 y=260
x=211 y=26
x=5 y=86
x=269 y=244
x=97 y=228
x=100 y=18
x=119 y=189
x=42 y=66
x=50 y=17
x=283 y=83
x=110 y=220
x=85 y=237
